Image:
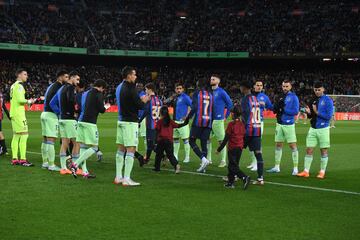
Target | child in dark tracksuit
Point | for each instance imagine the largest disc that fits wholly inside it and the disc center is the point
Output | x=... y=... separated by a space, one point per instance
x=234 y=136
x=164 y=137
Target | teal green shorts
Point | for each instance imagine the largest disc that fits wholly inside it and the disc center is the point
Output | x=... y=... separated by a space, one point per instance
x=182 y=133
x=218 y=130
x=285 y=133
x=127 y=134
x=49 y=124
x=321 y=136
x=68 y=128
x=87 y=133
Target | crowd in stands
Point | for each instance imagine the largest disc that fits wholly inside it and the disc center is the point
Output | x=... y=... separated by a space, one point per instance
x=184 y=25
x=41 y=75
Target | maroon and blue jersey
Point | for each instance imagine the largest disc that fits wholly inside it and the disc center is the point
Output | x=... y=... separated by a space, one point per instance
x=251 y=114
x=202 y=108
x=152 y=112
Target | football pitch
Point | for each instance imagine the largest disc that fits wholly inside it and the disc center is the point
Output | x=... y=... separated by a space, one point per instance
x=38 y=204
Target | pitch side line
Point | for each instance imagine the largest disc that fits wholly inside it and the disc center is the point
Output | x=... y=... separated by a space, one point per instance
x=267 y=182
x=274 y=183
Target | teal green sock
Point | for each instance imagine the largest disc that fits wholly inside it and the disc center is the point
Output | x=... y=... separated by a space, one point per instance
x=51 y=153
x=209 y=148
x=308 y=161
x=176 y=148
x=44 y=152
x=187 y=149
x=84 y=167
x=63 y=160
x=278 y=155
x=85 y=155
x=15 y=146
x=323 y=163
x=119 y=164
x=295 y=157
x=145 y=144
x=223 y=154
x=129 y=162
x=82 y=150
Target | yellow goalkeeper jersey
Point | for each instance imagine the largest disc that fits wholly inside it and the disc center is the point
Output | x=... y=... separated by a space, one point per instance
x=17 y=100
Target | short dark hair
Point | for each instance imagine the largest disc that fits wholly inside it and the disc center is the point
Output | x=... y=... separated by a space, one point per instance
x=318 y=84
x=246 y=84
x=216 y=75
x=150 y=86
x=100 y=83
x=18 y=71
x=236 y=111
x=259 y=80
x=178 y=84
x=203 y=83
x=81 y=84
x=126 y=71
x=73 y=73
x=286 y=80
x=164 y=112
x=61 y=72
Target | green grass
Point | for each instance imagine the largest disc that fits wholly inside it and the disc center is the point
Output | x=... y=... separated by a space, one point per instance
x=37 y=204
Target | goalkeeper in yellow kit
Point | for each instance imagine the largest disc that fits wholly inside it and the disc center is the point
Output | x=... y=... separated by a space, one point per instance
x=18 y=119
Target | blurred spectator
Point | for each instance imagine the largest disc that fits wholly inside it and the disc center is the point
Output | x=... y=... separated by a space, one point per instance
x=336 y=82
x=198 y=25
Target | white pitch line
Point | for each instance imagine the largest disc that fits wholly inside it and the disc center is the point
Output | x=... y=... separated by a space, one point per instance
x=274 y=183
x=36 y=153
x=267 y=182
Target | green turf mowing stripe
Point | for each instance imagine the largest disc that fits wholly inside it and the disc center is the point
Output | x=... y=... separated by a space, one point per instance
x=267 y=182
x=273 y=183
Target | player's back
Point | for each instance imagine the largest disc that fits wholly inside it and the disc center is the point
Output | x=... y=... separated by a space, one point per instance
x=203 y=106
x=251 y=115
x=67 y=101
x=17 y=99
x=49 y=94
x=153 y=112
x=92 y=104
x=128 y=101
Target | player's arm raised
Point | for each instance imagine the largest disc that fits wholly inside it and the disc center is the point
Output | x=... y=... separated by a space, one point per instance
x=139 y=102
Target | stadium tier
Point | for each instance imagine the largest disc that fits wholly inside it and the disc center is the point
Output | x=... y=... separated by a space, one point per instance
x=223 y=26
